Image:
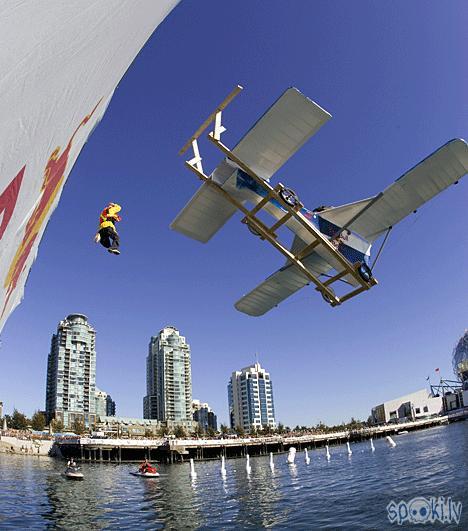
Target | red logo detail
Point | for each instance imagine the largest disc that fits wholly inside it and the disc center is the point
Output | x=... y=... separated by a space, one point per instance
x=54 y=176
x=8 y=200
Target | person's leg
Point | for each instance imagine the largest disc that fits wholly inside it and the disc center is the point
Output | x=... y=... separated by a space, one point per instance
x=105 y=240
x=115 y=239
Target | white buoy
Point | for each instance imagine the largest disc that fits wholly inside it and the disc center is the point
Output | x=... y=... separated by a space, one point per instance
x=193 y=474
x=372 y=447
x=307 y=458
x=272 y=464
x=328 y=452
x=248 y=468
x=350 y=452
x=223 y=467
x=390 y=441
x=291 y=455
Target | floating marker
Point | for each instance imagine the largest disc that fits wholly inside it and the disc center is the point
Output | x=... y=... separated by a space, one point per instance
x=223 y=468
x=328 y=452
x=193 y=474
x=248 y=468
x=350 y=452
x=272 y=464
x=372 y=447
x=291 y=455
x=307 y=458
x=390 y=441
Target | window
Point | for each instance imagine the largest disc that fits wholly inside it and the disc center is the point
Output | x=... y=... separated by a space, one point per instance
x=417 y=410
x=426 y=409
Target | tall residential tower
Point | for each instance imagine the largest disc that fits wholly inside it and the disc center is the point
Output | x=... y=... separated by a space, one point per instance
x=168 y=379
x=250 y=395
x=71 y=372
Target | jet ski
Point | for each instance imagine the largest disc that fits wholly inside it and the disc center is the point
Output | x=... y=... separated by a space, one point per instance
x=73 y=472
x=148 y=474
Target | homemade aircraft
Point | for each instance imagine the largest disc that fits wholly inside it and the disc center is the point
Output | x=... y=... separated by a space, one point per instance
x=330 y=244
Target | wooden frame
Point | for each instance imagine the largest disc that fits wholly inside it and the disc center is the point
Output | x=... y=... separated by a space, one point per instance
x=259 y=227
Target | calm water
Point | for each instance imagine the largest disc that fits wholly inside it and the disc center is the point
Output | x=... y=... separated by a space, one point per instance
x=345 y=493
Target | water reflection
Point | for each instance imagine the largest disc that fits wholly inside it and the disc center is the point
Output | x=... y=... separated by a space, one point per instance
x=341 y=493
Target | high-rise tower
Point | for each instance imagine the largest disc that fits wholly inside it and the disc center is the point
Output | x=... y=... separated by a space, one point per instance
x=168 y=379
x=250 y=396
x=71 y=372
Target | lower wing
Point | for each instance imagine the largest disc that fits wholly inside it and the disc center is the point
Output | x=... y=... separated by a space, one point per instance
x=280 y=285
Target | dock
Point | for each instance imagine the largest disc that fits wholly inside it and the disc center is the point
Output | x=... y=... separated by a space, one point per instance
x=169 y=450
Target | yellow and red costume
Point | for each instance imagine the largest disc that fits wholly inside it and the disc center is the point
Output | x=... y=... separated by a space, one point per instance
x=107 y=234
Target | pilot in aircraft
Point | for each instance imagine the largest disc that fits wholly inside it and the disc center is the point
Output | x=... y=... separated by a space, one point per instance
x=107 y=234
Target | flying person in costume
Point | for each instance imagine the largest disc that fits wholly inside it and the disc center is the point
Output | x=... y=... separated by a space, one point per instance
x=107 y=234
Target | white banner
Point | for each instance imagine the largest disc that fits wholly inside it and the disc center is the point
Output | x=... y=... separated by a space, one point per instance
x=60 y=62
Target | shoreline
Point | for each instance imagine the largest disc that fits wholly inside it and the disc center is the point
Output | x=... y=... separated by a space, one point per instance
x=87 y=449
x=27 y=447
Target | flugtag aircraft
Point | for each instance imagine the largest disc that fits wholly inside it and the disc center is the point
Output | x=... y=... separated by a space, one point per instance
x=332 y=245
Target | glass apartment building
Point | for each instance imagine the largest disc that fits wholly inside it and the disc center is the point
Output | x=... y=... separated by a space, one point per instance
x=168 y=379
x=71 y=373
x=204 y=415
x=250 y=397
x=110 y=406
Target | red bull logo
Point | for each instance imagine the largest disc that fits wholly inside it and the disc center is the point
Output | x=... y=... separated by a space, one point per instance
x=54 y=178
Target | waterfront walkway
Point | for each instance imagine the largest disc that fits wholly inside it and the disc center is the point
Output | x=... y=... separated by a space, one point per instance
x=178 y=450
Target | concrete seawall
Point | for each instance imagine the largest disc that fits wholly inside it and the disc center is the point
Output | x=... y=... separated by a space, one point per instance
x=14 y=445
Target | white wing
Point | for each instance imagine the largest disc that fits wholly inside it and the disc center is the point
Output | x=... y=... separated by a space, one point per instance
x=280 y=132
x=279 y=286
x=417 y=186
x=274 y=138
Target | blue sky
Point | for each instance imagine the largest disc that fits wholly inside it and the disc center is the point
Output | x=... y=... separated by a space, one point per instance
x=393 y=75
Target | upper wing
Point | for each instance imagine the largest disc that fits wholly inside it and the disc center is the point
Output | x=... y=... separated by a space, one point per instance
x=280 y=132
x=274 y=138
x=280 y=286
x=417 y=186
x=204 y=214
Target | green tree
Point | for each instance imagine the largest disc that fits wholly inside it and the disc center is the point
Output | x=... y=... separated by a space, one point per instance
x=78 y=427
x=57 y=426
x=161 y=431
x=321 y=427
x=210 y=432
x=240 y=431
x=18 y=421
x=280 y=428
x=198 y=431
x=38 y=421
x=179 y=432
x=224 y=429
x=266 y=429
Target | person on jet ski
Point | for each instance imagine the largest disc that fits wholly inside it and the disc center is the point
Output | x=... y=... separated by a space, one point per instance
x=147 y=467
